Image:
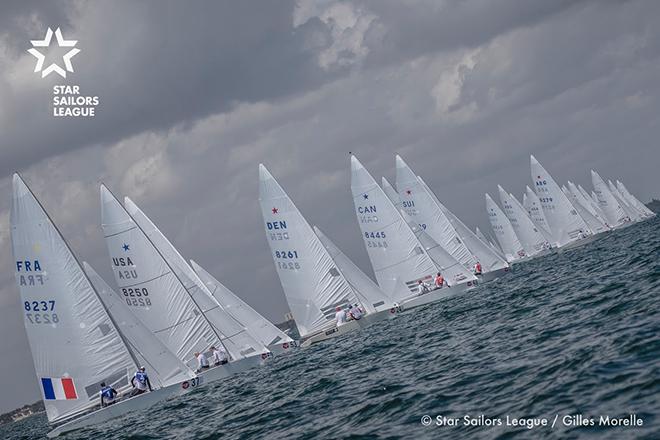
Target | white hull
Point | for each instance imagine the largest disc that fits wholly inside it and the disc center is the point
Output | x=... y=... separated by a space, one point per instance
x=433 y=296
x=492 y=275
x=122 y=407
x=351 y=326
x=577 y=243
x=146 y=400
x=283 y=347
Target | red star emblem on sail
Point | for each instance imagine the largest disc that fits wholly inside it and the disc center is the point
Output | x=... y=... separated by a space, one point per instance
x=274 y=210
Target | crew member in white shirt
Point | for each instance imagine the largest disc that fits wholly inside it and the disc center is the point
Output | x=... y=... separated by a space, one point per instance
x=219 y=356
x=340 y=316
x=202 y=362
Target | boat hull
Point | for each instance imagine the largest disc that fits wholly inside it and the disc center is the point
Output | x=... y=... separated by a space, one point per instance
x=433 y=296
x=492 y=275
x=283 y=347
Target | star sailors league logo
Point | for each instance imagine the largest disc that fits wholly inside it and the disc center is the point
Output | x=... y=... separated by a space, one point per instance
x=53 y=67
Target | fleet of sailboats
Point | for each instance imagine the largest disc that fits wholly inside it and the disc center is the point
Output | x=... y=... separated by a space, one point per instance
x=166 y=310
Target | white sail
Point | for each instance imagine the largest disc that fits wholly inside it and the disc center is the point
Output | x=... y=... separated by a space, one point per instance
x=164 y=367
x=150 y=287
x=452 y=270
x=634 y=200
x=312 y=284
x=592 y=221
x=395 y=253
x=488 y=241
x=75 y=345
x=490 y=260
x=390 y=192
x=631 y=211
x=234 y=335
x=421 y=207
x=533 y=207
x=588 y=204
x=373 y=298
x=594 y=204
x=513 y=249
x=615 y=214
x=565 y=223
x=531 y=239
x=260 y=327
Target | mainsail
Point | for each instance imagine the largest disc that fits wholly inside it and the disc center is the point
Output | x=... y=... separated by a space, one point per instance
x=163 y=365
x=631 y=211
x=565 y=223
x=592 y=221
x=513 y=249
x=395 y=253
x=260 y=327
x=531 y=239
x=490 y=260
x=420 y=205
x=615 y=214
x=150 y=287
x=312 y=284
x=533 y=207
x=75 y=344
x=236 y=338
x=634 y=200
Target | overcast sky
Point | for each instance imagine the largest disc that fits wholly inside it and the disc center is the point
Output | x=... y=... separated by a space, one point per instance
x=194 y=95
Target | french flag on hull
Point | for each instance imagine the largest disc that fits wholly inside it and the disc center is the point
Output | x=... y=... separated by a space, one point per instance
x=58 y=388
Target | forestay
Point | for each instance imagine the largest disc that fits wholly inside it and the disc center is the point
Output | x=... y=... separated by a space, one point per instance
x=420 y=205
x=504 y=233
x=150 y=287
x=396 y=255
x=565 y=223
x=260 y=327
x=312 y=284
x=234 y=335
x=75 y=345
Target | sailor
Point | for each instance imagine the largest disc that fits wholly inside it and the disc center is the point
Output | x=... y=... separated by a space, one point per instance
x=219 y=356
x=422 y=287
x=355 y=312
x=202 y=362
x=477 y=268
x=140 y=382
x=440 y=281
x=340 y=316
x=108 y=395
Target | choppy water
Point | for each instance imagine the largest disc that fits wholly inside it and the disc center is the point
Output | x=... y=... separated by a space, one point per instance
x=572 y=333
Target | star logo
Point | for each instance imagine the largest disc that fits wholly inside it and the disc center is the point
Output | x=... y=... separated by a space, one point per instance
x=61 y=42
x=274 y=210
x=126 y=247
x=365 y=196
x=408 y=192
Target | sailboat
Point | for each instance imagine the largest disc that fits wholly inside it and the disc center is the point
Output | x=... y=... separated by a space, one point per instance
x=275 y=340
x=592 y=221
x=583 y=199
x=568 y=228
x=532 y=240
x=314 y=285
x=504 y=232
x=75 y=343
x=172 y=307
x=236 y=336
x=401 y=253
x=615 y=214
x=634 y=200
x=632 y=212
x=489 y=241
x=493 y=264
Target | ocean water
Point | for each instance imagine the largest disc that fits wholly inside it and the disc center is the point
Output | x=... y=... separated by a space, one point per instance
x=571 y=334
